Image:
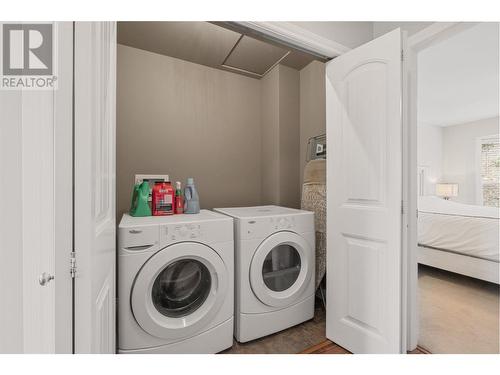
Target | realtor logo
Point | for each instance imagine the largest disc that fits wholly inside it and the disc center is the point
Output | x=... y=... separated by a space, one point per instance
x=27 y=49
x=27 y=56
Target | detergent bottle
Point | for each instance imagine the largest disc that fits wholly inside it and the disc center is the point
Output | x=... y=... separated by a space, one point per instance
x=191 y=199
x=179 y=199
x=140 y=196
x=163 y=198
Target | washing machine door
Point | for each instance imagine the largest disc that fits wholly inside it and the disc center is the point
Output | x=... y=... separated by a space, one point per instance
x=179 y=290
x=281 y=269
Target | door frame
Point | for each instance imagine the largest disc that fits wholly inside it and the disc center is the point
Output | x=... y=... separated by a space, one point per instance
x=94 y=222
x=63 y=182
x=427 y=37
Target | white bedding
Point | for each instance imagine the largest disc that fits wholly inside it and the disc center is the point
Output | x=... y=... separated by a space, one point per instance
x=462 y=228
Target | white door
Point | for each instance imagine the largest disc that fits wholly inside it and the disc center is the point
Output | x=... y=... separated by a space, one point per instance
x=364 y=199
x=36 y=209
x=94 y=216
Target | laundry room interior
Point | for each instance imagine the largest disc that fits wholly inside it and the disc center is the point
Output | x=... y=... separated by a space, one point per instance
x=214 y=103
x=236 y=122
x=183 y=204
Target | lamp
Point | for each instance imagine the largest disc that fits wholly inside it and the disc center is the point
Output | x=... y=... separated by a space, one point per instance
x=447 y=190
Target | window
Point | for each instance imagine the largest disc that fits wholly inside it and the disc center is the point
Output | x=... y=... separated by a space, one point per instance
x=489 y=168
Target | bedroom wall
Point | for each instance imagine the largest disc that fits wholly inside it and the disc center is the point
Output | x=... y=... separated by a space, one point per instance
x=183 y=119
x=459 y=155
x=430 y=155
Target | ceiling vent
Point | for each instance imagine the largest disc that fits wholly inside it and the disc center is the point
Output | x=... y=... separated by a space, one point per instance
x=254 y=57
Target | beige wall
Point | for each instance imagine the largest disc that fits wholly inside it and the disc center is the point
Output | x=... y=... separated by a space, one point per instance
x=312 y=107
x=289 y=96
x=184 y=119
x=270 y=137
x=280 y=137
x=242 y=139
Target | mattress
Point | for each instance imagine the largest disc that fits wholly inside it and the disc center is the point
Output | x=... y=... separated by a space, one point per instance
x=460 y=228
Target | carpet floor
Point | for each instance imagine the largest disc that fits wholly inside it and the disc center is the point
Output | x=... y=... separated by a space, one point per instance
x=458 y=314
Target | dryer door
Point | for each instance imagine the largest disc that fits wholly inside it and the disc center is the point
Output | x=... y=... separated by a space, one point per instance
x=281 y=269
x=179 y=290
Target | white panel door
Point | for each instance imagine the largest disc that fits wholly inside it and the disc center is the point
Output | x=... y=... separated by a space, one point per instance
x=35 y=214
x=364 y=179
x=95 y=87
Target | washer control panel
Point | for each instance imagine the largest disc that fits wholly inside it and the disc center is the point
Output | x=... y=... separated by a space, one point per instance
x=182 y=232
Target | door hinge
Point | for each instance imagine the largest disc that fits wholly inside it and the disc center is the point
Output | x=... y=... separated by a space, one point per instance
x=402 y=55
x=72 y=264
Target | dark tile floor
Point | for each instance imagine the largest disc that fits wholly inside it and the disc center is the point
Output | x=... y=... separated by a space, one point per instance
x=290 y=341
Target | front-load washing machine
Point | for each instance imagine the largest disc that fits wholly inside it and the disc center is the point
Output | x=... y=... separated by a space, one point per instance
x=175 y=283
x=274 y=269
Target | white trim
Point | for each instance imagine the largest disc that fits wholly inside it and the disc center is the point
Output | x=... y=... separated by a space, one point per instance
x=435 y=33
x=296 y=35
x=63 y=182
x=409 y=188
x=95 y=187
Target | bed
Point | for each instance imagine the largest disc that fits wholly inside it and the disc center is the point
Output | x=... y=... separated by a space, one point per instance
x=458 y=237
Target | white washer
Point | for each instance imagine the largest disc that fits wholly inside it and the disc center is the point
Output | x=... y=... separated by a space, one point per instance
x=175 y=283
x=274 y=269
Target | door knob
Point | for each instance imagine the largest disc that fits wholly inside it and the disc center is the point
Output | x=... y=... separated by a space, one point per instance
x=44 y=278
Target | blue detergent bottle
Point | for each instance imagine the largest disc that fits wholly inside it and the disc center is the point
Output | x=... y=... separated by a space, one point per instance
x=191 y=198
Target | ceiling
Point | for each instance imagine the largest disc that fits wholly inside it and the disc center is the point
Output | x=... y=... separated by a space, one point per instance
x=458 y=78
x=212 y=45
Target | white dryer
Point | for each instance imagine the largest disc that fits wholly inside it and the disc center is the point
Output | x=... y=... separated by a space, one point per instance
x=274 y=269
x=175 y=283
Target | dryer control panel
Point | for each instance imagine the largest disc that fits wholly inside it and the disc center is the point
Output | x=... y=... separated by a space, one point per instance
x=283 y=222
x=262 y=227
